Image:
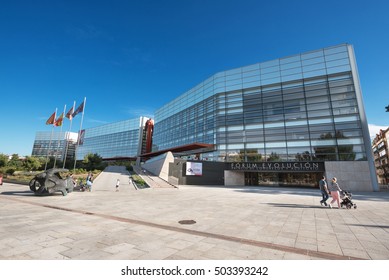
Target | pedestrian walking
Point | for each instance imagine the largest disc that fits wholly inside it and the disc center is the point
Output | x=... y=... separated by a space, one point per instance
x=89 y=181
x=334 y=189
x=324 y=191
x=117 y=184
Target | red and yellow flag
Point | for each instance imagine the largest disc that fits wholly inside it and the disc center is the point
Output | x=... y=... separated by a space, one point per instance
x=51 y=120
x=59 y=121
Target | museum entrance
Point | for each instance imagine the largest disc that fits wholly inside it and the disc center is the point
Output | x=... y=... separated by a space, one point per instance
x=295 y=179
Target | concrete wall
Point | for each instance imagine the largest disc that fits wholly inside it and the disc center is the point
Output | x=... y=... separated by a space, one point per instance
x=159 y=165
x=351 y=175
x=233 y=178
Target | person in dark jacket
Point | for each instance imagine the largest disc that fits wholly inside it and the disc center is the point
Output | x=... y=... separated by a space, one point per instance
x=324 y=191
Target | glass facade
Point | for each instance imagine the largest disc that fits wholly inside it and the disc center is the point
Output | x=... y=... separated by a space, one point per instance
x=53 y=144
x=114 y=140
x=302 y=107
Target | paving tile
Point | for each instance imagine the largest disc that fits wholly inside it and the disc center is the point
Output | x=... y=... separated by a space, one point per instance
x=229 y=224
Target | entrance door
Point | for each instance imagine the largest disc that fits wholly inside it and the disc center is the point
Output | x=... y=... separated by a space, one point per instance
x=251 y=179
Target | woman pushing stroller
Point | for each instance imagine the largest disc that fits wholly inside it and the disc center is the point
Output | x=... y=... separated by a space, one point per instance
x=335 y=192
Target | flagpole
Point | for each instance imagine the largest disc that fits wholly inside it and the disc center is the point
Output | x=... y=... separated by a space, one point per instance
x=67 y=135
x=79 y=134
x=59 y=136
x=51 y=136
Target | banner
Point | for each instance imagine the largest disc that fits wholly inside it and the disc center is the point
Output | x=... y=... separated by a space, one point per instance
x=194 y=168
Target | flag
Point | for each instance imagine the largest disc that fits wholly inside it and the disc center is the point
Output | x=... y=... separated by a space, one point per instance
x=69 y=114
x=78 y=110
x=59 y=121
x=51 y=120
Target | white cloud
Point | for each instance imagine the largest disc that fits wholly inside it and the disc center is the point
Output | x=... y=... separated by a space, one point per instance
x=137 y=111
x=375 y=129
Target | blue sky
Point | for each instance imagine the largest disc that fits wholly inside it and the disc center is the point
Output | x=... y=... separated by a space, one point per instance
x=128 y=58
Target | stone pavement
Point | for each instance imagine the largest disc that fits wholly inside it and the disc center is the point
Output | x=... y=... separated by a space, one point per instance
x=189 y=223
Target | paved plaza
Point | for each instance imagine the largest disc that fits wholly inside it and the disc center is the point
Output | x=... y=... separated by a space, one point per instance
x=189 y=223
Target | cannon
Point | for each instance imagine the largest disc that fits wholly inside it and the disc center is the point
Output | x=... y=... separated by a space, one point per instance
x=51 y=181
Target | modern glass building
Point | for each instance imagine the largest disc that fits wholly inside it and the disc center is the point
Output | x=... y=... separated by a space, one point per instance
x=302 y=110
x=54 y=144
x=115 y=140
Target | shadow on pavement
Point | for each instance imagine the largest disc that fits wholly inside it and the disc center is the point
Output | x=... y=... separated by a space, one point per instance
x=293 y=205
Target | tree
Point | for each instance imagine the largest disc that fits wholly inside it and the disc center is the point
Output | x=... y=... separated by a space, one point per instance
x=3 y=160
x=92 y=161
x=15 y=162
x=32 y=163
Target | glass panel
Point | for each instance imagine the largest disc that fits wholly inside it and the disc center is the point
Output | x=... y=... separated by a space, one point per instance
x=350 y=141
x=342 y=89
x=314 y=73
x=235 y=146
x=291 y=65
x=299 y=95
x=337 y=56
x=345 y=111
x=255 y=145
x=275 y=124
x=276 y=145
x=274 y=137
x=251 y=79
x=289 y=87
x=292 y=77
x=318 y=106
x=252 y=84
x=295 y=123
x=291 y=71
x=233 y=87
x=270 y=70
x=270 y=75
x=337 y=49
x=271 y=81
x=314 y=67
x=254 y=126
x=339 y=69
x=269 y=64
x=337 y=62
x=346 y=119
x=318 y=99
x=313 y=61
x=294 y=116
x=296 y=136
x=345 y=103
x=298 y=144
x=324 y=142
x=310 y=55
x=289 y=60
x=343 y=96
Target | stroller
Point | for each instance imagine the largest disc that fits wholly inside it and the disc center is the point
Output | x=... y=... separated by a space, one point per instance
x=346 y=198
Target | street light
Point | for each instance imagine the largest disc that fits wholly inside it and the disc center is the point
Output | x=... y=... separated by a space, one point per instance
x=387 y=108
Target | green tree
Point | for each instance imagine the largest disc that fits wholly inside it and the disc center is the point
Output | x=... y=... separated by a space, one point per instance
x=92 y=161
x=15 y=162
x=32 y=163
x=3 y=160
